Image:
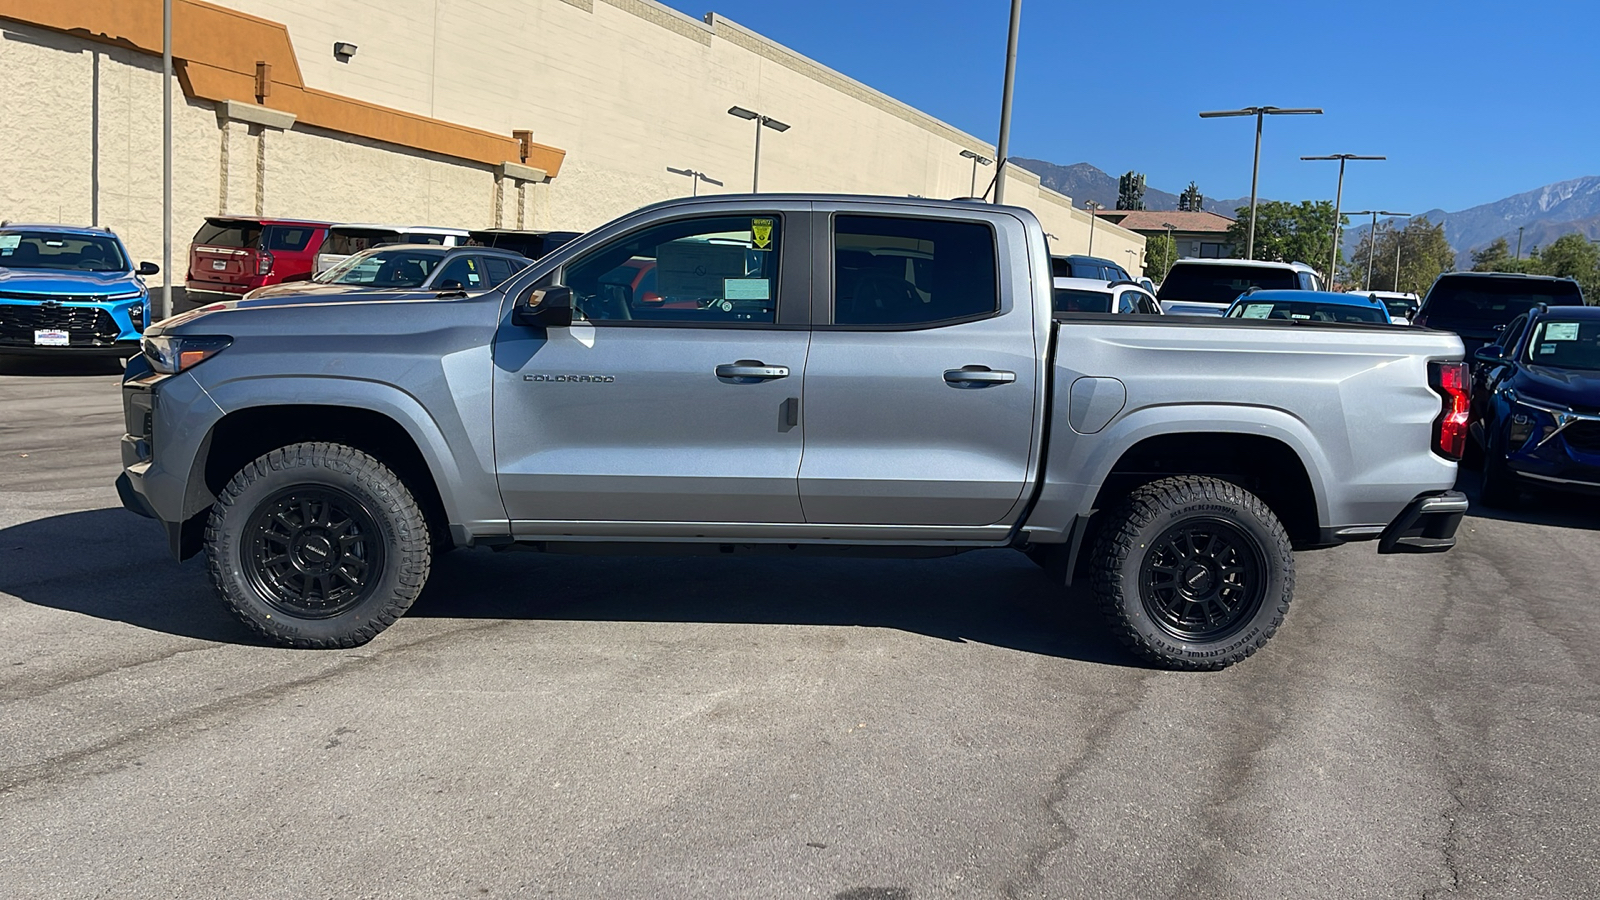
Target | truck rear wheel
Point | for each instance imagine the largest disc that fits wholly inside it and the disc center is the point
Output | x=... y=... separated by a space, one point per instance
x=317 y=546
x=1193 y=572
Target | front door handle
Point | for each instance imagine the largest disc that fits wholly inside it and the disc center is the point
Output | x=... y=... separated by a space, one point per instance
x=750 y=371
x=977 y=376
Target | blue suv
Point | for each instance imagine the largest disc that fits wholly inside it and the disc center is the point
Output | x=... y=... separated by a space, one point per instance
x=70 y=290
x=1536 y=399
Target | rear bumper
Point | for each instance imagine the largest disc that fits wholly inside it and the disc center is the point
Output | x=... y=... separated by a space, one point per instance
x=1427 y=524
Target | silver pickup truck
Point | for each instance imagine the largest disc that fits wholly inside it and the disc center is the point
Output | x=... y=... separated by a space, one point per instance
x=788 y=374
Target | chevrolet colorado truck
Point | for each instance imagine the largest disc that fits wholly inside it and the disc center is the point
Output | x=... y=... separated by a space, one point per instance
x=788 y=374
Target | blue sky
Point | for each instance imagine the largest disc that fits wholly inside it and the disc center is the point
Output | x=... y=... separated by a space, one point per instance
x=1471 y=101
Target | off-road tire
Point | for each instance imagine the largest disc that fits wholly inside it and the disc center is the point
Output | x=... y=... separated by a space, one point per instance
x=395 y=540
x=1247 y=529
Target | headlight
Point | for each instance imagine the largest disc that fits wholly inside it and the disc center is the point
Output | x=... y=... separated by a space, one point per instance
x=126 y=295
x=171 y=354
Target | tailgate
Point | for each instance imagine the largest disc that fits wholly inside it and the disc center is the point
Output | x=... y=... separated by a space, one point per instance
x=225 y=264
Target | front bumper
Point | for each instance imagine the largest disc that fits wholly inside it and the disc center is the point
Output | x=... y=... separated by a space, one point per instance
x=1427 y=524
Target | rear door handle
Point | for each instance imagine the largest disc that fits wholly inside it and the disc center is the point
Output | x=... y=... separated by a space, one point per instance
x=977 y=376
x=749 y=371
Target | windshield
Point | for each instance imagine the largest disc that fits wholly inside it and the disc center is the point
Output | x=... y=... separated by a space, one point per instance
x=1222 y=284
x=45 y=250
x=1301 y=310
x=1495 y=300
x=1565 y=345
x=1070 y=300
x=384 y=268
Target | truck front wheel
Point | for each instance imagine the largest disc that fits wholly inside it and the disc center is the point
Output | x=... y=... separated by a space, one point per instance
x=317 y=546
x=1193 y=572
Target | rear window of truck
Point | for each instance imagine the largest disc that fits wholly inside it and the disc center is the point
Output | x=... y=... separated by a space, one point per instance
x=1494 y=300
x=1223 y=284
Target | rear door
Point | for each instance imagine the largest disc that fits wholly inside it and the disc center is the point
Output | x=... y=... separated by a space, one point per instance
x=676 y=405
x=225 y=252
x=921 y=385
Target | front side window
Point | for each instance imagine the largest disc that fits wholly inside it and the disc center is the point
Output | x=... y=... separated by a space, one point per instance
x=464 y=273
x=384 y=268
x=45 y=250
x=1136 y=303
x=1513 y=333
x=903 y=271
x=720 y=270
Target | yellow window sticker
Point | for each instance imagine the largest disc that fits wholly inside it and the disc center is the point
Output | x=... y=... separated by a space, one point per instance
x=761 y=233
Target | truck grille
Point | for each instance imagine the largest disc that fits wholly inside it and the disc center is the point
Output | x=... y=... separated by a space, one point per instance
x=86 y=326
x=1583 y=436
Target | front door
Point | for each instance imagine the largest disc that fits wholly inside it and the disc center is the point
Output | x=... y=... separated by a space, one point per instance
x=922 y=380
x=674 y=396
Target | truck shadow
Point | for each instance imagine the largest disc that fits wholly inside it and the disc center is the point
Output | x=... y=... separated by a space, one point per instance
x=994 y=597
x=1550 y=508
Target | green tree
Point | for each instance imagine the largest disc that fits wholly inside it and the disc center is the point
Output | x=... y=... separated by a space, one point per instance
x=1492 y=257
x=1573 y=256
x=1160 y=252
x=1420 y=249
x=1191 y=200
x=1288 y=232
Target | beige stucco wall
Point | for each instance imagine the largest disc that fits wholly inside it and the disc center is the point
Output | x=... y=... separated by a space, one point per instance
x=626 y=87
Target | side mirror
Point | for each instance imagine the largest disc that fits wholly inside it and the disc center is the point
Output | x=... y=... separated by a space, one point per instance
x=1489 y=353
x=450 y=284
x=546 y=307
x=148 y=268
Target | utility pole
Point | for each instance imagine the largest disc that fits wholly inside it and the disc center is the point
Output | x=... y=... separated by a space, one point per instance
x=1255 y=169
x=1519 y=241
x=1003 y=149
x=1338 y=199
x=1372 y=237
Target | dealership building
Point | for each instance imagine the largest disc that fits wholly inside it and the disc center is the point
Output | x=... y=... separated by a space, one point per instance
x=539 y=114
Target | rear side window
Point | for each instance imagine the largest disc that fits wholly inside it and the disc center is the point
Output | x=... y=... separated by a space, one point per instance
x=1495 y=300
x=422 y=237
x=1223 y=284
x=292 y=238
x=1075 y=300
x=499 y=269
x=238 y=235
x=902 y=271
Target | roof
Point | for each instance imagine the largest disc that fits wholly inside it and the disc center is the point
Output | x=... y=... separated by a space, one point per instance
x=58 y=229
x=1156 y=220
x=458 y=250
x=413 y=229
x=1085 y=284
x=1328 y=297
x=266 y=220
x=1259 y=263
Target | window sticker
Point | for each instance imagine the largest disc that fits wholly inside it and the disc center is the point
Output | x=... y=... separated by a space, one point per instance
x=1257 y=311
x=1547 y=348
x=761 y=234
x=746 y=289
x=9 y=242
x=1561 y=331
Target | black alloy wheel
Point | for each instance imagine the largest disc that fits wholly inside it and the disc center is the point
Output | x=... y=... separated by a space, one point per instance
x=313 y=551
x=1201 y=580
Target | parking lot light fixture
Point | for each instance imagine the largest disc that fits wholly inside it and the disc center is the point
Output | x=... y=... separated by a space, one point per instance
x=1372 y=237
x=1338 y=198
x=1255 y=170
x=695 y=178
x=1092 y=207
x=977 y=160
x=761 y=121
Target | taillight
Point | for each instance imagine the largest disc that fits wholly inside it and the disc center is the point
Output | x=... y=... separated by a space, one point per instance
x=1449 y=380
x=264 y=263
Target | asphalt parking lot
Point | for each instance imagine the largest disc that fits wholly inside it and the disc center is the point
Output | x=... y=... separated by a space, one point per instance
x=740 y=727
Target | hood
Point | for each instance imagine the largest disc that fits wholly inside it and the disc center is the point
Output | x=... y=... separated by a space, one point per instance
x=307 y=291
x=68 y=281
x=1577 y=388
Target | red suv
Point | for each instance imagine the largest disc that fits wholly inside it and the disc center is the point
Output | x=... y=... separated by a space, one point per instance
x=231 y=254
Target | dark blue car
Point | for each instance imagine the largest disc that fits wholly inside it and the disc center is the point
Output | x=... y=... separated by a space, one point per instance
x=1536 y=404
x=67 y=290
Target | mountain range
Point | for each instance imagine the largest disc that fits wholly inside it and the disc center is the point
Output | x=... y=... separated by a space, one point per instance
x=1543 y=214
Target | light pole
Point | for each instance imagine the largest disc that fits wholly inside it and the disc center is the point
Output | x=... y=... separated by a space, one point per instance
x=1519 y=241
x=1399 y=239
x=977 y=161
x=1002 y=148
x=1133 y=258
x=1338 y=199
x=1255 y=171
x=166 y=158
x=760 y=120
x=695 y=178
x=1372 y=237
x=1091 y=206
x=1172 y=250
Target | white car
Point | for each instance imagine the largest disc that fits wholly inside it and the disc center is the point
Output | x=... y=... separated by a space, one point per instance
x=346 y=240
x=1091 y=295
x=1402 y=305
x=1207 y=287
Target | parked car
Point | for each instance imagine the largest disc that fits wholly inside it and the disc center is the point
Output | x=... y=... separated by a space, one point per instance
x=532 y=244
x=407 y=271
x=1092 y=296
x=1310 y=306
x=1536 y=404
x=1402 y=305
x=1477 y=306
x=1208 y=287
x=321 y=452
x=1092 y=267
x=70 y=290
x=344 y=240
x=233 y=255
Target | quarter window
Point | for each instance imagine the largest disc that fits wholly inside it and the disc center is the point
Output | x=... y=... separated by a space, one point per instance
x=899 y=271
x=711 y=271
